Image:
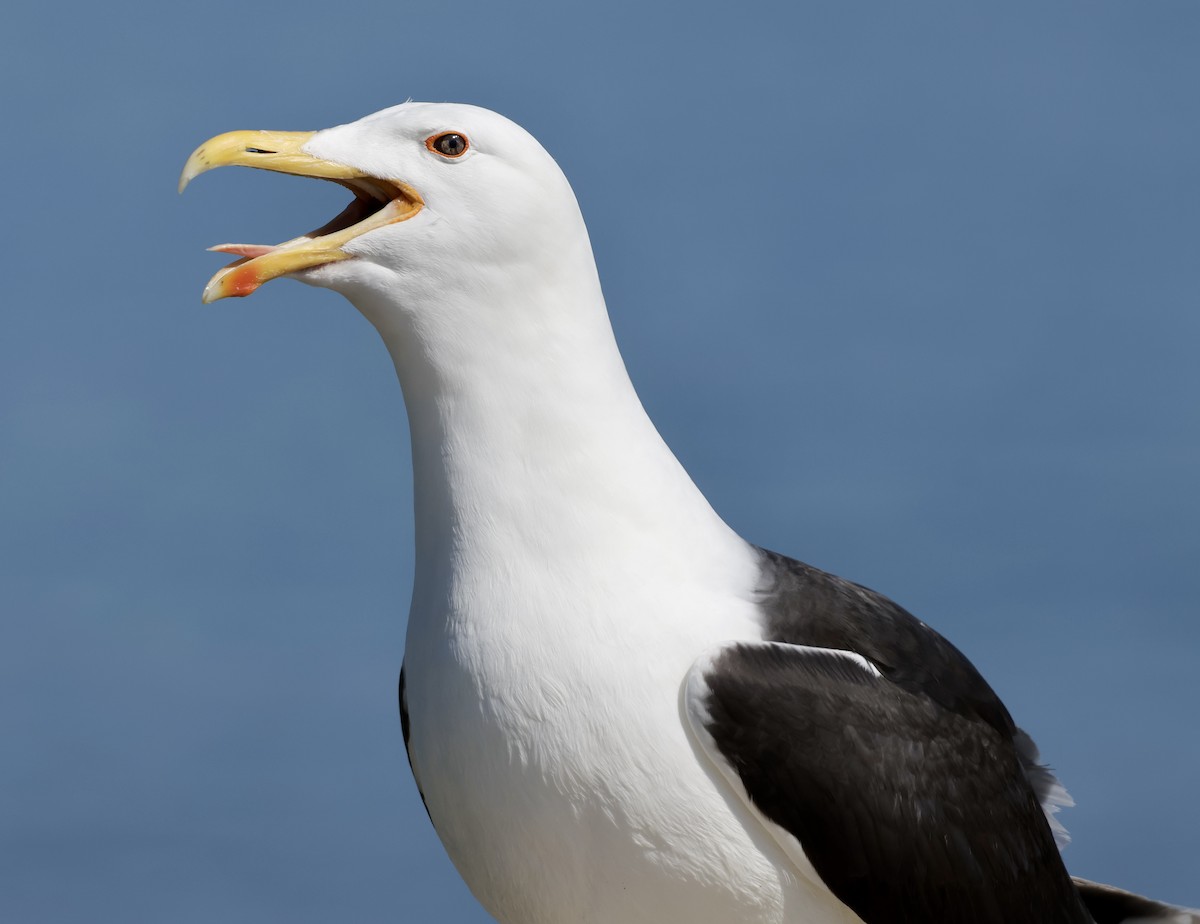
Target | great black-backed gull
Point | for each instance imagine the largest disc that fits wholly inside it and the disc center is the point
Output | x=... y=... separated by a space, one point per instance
x=617 y=710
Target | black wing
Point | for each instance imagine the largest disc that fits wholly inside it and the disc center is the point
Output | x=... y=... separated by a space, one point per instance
x=806 y=606
x=405 y=730
x=1110 y=905
x=876 y=745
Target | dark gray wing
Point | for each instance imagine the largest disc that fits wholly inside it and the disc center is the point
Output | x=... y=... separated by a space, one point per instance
x=1110 y=905
x=897 y=768
x=906 y=810
x=406 y=730
x=806 y=606
x=803 y=605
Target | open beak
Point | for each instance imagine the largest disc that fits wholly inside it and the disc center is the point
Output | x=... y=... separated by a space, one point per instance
x=377 y=202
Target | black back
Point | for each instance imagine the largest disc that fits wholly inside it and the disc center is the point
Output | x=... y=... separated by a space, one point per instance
x=906 y=791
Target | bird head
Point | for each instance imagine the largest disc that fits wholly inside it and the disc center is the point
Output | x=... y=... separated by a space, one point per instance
x=445 y=195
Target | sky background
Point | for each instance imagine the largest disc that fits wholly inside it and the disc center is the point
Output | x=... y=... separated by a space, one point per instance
x=911 y=289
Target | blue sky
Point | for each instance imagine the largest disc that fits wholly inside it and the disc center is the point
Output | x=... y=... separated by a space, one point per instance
x=910 y=288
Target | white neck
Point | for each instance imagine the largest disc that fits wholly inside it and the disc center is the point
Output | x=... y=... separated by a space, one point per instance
x=529 y=442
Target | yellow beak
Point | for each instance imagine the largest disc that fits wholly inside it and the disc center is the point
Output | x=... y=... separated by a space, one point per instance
x=377 y=202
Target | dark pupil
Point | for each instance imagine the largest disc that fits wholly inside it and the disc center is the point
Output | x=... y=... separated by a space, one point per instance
x=452 y=145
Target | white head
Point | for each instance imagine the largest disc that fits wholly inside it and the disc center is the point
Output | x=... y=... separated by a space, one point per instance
x=457 y=212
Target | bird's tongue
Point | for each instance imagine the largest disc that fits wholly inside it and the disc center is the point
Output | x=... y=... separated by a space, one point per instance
x=243 y=250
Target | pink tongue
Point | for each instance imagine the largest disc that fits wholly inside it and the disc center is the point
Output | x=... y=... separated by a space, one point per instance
x=243 y=250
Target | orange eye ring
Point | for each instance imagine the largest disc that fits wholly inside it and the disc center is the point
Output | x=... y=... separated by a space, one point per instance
x=448 y=144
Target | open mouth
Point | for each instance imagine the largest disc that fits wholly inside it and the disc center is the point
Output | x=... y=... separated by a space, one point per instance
x=377 y=202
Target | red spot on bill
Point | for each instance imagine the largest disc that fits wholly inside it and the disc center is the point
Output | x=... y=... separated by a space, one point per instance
x=242 y=281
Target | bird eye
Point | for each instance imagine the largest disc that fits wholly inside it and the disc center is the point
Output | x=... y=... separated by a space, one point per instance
x=448 y=144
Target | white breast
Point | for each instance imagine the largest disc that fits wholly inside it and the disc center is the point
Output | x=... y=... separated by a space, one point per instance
x=549 y=745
